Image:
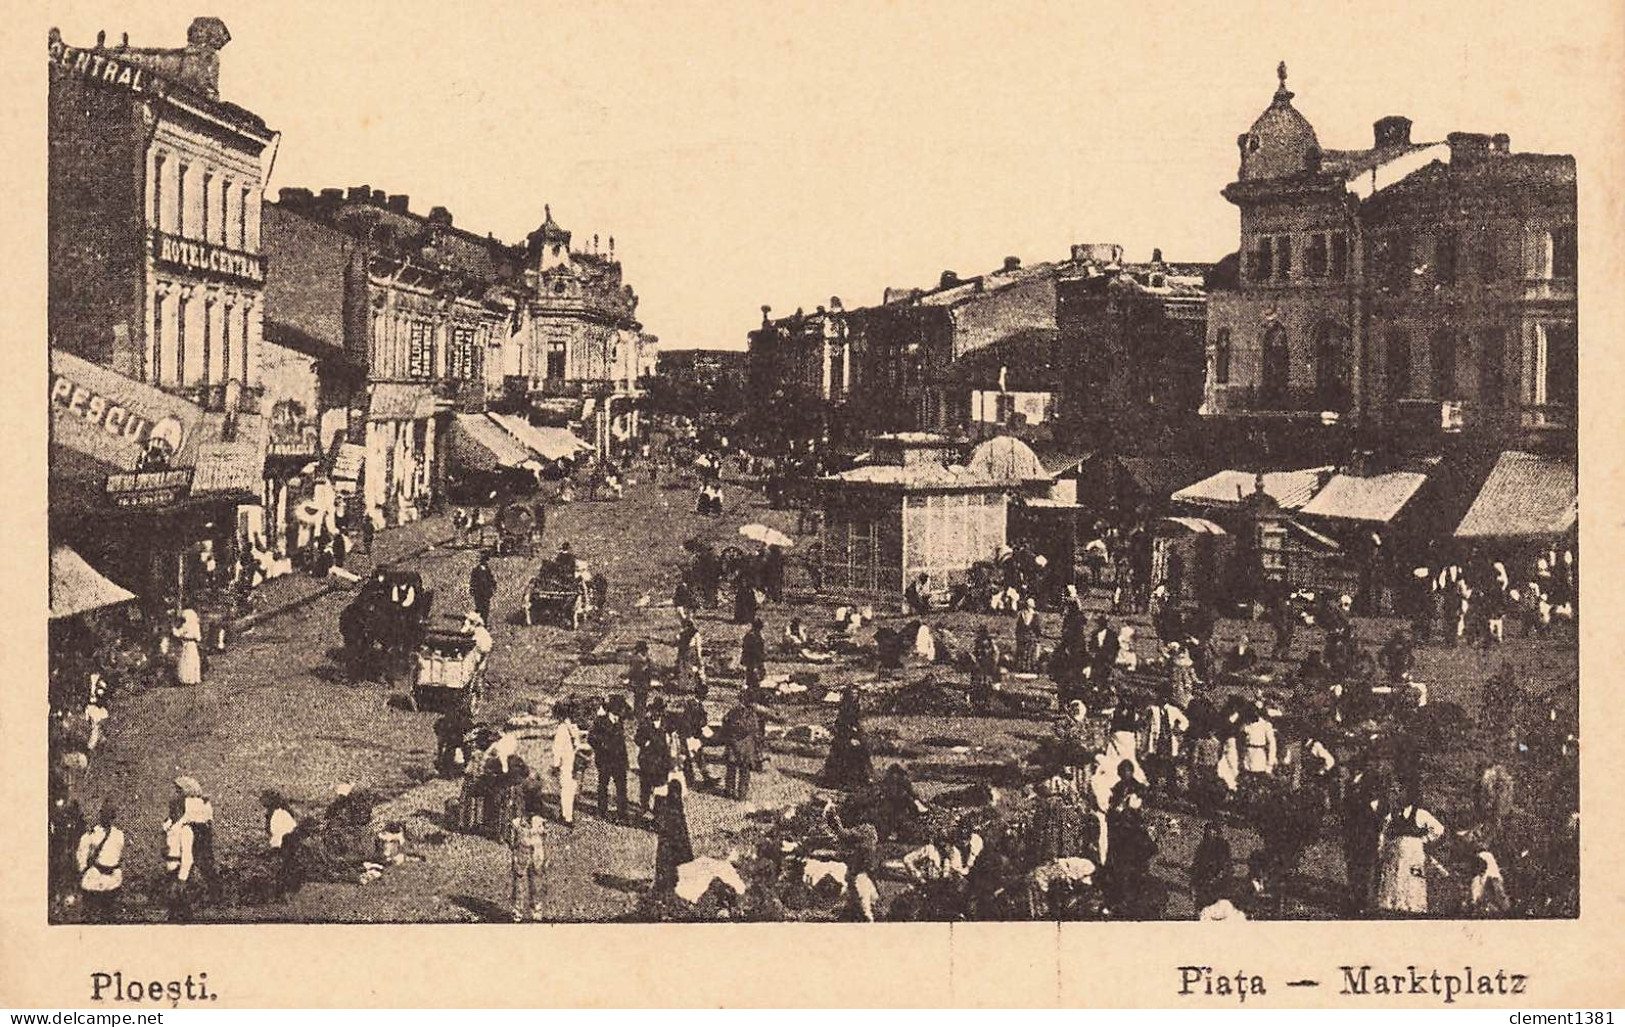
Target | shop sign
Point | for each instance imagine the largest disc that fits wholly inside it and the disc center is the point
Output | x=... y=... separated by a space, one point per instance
x=293 y=432
x=149 y=488
x=104 y=70
x=158 y=439
x=196 y=255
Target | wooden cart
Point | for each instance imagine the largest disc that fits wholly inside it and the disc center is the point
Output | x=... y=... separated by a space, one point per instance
x=447 y=670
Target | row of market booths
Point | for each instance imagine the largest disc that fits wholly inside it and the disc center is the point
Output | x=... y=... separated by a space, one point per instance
x=1216 y=535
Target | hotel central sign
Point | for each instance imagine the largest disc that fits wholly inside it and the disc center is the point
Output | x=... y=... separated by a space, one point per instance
x=195 y=255
x=94 y=66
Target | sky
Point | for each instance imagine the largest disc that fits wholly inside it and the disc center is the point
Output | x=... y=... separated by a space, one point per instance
x=750 y=154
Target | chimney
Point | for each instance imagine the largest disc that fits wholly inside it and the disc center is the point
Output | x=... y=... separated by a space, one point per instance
x=948 y=280
x=1097 y=252
x=360 y=194
x=835 y=303
x=378 y=198
x=1468 y=147
x=333 y=194
x=1394 y=130
x=294 y=197
x=440 y=216
x=1156 y=255
x=1012 y=263
x=400 y=203
x=1501 y=143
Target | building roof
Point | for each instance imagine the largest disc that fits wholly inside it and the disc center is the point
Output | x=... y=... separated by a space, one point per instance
x=1525 y=496
x=1290 y=489
x=1008 y=459
x=1377 y=498
x=76 y=586
x=1159 y=476
x=1194 y=525
x=1059 y=461
x=917 y=476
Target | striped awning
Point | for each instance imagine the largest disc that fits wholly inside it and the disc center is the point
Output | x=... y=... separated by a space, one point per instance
x=478 y=443
x=1526 y=496
x=1376 y=498
x=231 y=460
x=398 y=401
x=553 y=443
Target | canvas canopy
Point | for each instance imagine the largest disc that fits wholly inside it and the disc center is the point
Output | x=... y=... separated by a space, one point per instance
x=77 y=587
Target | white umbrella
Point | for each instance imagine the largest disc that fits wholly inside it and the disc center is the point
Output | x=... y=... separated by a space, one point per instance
x=767 y=536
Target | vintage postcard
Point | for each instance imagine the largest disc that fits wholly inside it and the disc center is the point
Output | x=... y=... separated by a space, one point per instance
x=846 y=504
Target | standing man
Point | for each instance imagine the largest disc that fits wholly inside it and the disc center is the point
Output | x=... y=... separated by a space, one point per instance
x=566 y=743
x=607 y=737
x=740 y=728
x=482 y=585
x=753 y=658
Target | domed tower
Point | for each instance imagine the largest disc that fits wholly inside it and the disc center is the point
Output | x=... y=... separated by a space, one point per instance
x=1281 y=142
x=549 y=244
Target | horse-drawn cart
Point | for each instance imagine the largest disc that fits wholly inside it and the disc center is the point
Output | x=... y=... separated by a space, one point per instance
x=447 y=670
x=564 y=598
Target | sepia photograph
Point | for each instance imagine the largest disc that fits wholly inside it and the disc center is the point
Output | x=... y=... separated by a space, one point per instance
x=1051 y=547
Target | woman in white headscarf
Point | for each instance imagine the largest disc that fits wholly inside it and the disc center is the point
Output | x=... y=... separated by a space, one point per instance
x=1487 y=897
x=188 y=635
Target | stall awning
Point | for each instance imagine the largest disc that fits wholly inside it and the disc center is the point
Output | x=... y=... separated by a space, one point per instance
x=1194 y=525
x=1377 y=499
x=77 y=588
x=553 y=443
x=478 y=443
x=347 y=465
x=1525 y=496
x=1290 y=489
x=397 y=401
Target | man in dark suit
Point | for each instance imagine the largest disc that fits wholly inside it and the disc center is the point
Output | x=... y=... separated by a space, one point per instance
x=741 y=727
x=482 y=585
x=607 y=737
x=753 y=658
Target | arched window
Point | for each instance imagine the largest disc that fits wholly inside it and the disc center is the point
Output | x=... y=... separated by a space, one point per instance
x=1397 y=363
x=1221 y=357
x=1276 y=378
x=1332 y=366
x=1442 y=362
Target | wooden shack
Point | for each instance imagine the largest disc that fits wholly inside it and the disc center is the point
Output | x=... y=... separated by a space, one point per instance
x=886 y=523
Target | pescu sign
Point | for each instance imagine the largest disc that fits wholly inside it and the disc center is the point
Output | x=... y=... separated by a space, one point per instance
x=110 y=416
x=193 y=255
x=104 y=70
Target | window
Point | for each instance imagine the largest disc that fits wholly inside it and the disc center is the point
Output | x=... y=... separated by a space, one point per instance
x=1340 y=255
x=1442 y=362
x=208 y=341
x=225 y=342
x=1444 y=257
x=420 y=351
x=1565 y=252
x=157 y=376
x=1315 y=259
x=203 y=207
x=242 y=220
x=1492 y=373
x=1221 y=357
x=180 y=340
x=1277 y=371
x=1397 y=362
x=225 y=212
x=555 y=359
x=1283 y=256
x=157 y=220
x=1332 y=366
x=1560 y=366
x=180 y=199
x=247 y=370
x=1263 y=260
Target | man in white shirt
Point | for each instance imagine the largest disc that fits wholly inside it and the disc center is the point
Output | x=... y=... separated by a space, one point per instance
x=566 y=742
